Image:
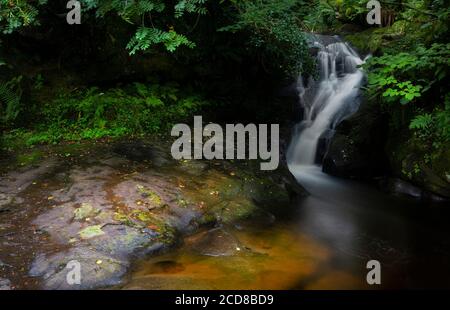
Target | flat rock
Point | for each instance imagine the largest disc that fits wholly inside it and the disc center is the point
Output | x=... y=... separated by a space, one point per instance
x=96 y=269
x=216 y=242
x=5 y=284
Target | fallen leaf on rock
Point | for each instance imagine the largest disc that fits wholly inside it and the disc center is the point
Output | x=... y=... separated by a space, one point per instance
x=153 y=227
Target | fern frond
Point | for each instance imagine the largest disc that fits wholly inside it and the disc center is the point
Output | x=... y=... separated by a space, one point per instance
x=9 y=103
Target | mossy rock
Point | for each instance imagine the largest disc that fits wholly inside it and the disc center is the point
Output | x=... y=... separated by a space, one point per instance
x=91 y=231
x=150 y=196
x=145 y=219
x=85 y=211
x=29 y=158
x=372 y=40
x=408 y=160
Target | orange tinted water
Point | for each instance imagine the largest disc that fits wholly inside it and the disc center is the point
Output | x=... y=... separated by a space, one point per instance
x=270 y=258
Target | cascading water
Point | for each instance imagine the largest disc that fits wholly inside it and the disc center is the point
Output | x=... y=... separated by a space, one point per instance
x=327 y=101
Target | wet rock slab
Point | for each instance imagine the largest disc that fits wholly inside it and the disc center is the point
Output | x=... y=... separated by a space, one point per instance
x=96 y=269
x=216 y=242
x=5 y=284
x=125 y=201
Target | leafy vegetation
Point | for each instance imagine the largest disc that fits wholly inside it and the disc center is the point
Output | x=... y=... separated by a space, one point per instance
x=409 y=77
x=143 y=13
x=413 y=84
x=246 y=33
x=19 y=13
x=274 y=27
x=235 y=51
x=10 y=94
x=94 y=114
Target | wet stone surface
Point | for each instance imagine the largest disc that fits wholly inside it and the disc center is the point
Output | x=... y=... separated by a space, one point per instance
x=5 y=284
x=104 y=206
x=216 y=242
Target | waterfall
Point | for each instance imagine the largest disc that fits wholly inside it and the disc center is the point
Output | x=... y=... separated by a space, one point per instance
x=327 y=100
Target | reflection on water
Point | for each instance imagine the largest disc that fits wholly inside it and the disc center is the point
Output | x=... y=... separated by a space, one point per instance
x=273 y=258
x=324 y=243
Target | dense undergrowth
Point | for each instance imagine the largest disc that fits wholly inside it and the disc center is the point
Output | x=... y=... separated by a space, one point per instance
x=92 y=113
x=229 y=52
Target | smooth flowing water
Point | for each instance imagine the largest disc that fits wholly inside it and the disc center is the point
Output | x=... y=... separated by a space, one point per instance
x=327 y=238
x=323 y=242
x=358 y=221
x=327 y=101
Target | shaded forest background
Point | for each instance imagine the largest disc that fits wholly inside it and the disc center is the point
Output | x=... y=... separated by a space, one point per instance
x=135 y=68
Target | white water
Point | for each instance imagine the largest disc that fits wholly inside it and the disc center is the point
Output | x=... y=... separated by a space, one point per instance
x=327 y=101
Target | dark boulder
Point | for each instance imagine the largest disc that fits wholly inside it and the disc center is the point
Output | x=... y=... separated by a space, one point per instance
x=399 y=187
x=408 y=160
x=344 y=159
x=357 y=150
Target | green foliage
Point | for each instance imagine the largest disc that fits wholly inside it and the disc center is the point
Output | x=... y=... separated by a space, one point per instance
x=411 y=80
x=404 y=77
x=349 y=10
x=274 y=29
x=413 y=88
x=10 y=94
x=190 y=6
x=422 y=122
x=321 y=17
x=150 y=15
x=324 y=15
x=376 y=40
x=408 y=78
x=18 y=13
x=94 y=114
x=146 y=37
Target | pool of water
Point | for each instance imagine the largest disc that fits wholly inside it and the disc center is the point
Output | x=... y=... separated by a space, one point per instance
x=324 y=242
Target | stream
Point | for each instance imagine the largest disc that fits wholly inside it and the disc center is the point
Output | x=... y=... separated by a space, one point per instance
x=100 y=204
x=324 y=243
x=330 y=235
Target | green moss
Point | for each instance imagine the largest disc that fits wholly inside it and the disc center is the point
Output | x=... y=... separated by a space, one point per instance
x=426 y=167
x=150 y=195
x=183 y=202
x=145 y=219
x=207 y=219
x=29 y=158
x=143 y=216
x=84 y=211
x=91 y=231
x=123 y=218
x=103 y=216
x=367 y=41
x=373 y=39
x=166 y=233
